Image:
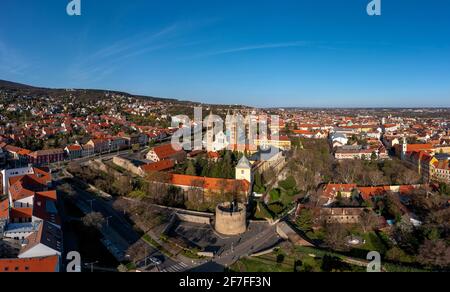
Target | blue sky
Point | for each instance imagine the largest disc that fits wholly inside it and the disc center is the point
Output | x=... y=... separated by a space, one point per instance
x=322 y=53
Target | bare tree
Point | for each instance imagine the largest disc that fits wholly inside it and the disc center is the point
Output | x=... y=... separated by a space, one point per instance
x=348 y=171
x=373 y=178
x=94 y=219
x=435 y=253
x=137 y=252
x=368 y=220
x=335 y=236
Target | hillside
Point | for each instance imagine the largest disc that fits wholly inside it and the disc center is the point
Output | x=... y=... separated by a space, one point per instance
x=87 y=95
x=83 y=94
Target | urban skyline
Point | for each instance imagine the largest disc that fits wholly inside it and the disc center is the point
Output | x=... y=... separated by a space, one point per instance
x=297 y=53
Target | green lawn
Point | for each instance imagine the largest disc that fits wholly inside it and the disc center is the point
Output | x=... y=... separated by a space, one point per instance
x=373 y=243
x=156 y=245
x=260 y=265
x=300 y=257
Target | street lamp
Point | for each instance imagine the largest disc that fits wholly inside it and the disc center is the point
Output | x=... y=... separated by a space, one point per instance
x=107 y=221
x=91 y=201
x=92 y=265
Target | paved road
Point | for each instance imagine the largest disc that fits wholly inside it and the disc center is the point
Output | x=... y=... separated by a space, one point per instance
x=121 y=232
x=265 y=238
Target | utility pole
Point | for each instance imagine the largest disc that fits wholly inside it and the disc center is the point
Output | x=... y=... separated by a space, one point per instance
x=145 y=264
x=92 y=207
x=92 y=265
x=107 y=221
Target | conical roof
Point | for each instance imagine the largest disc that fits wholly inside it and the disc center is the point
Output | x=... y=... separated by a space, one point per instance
x=244 y=163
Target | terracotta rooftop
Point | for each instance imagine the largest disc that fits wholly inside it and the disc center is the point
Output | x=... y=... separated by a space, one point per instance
x=215 y=184
x=165 y=151
x=35 y=265
x=158 y=166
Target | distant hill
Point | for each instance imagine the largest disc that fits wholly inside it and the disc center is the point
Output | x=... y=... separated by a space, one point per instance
x=12 y=85
x=89 y=94
x=96 y=94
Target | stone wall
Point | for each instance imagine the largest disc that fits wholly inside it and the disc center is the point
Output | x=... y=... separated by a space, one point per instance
x=127 y=165
x=194 y=218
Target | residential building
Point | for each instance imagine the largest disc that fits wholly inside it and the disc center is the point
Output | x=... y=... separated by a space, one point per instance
x=44 y=157
x=165 y=152
x=47 y=264
x=74 y=151
x=281 y=142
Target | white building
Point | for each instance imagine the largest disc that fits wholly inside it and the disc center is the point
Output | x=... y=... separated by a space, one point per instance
x=244 y=170
x=47 y=241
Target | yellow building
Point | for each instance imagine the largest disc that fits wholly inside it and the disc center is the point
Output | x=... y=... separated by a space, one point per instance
x=281 y=142
x=244 y=170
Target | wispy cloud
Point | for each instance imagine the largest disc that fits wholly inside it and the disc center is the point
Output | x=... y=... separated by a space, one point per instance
x=255 y=47
x=103 y=62
x=106 y=60
x=10 y=61
x=133 y=43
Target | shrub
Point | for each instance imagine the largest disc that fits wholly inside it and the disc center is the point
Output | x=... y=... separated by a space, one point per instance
x=276 y=208
x=274 y=195
x=288 y=184
x=280 y=258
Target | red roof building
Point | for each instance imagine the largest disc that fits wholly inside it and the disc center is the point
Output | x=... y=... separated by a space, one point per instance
x=165 y=152
x=211 y=184
x=33 y=265
x=158 y=166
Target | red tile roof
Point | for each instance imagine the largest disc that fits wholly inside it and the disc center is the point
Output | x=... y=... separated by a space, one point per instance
x=48 y=194
x=74 y=148
x=4 y=209
x=21 y=213
x=368 y=192
x=333 y=189
x=214 y=184
x=17 y=150
x=38 y=153
x=35 y=265
x=212 y=154
x=303 y=132
x=419 y=147
x=158 y=166
x=25 y=186
x=165 y=151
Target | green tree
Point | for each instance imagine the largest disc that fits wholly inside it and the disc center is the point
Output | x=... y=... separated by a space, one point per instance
x=276 y=208
x=227 y=166
x=288 y=184
x=374 y=156
x=274 y=195
x=190 y=169
x=305 y=220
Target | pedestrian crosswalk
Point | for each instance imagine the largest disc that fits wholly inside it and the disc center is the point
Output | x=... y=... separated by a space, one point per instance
x=180 y=267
